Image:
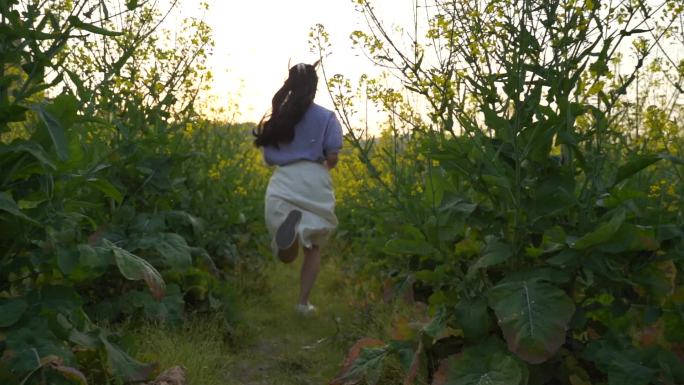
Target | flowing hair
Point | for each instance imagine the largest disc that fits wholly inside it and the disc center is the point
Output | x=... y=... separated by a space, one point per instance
x=288 y=106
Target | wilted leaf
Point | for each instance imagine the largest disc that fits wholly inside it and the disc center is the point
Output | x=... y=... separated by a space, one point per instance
x=171 y=376
x=533 y=316
x=72 y=374
x=350 y=374
x=135 y=268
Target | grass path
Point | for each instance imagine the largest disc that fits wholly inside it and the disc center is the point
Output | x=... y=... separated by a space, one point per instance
x=272 y=344
x=289 y=348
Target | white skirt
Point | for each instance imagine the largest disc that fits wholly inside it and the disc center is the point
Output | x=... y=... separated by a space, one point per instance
x=305 y=186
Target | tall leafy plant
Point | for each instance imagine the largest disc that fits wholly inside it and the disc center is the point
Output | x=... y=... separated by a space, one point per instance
x=551 y=248
x=91 y=219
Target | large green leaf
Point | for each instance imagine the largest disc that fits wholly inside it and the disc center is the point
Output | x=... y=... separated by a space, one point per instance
x=484 y=364
x=635 y=165
x=67 y=260
x=30 y=341
x=533 y=315
x=90 y=258
x=185 y=217
x=435 y=185
x=171 y=247
x=497 y=181
x=56 y=132
x=494 y=253
x=29 y=147
x=459 y=206
x=553 y=194
x=11 y=310
x=148 y=223
x=631 y=237
x=107 y=188
x=603 y=233
x=623 y=364
x=174 y=249
x=135 y=268
x=64 y=108
x=638 y=163
x=8 y=204
x=473 y=318
x=500 y=125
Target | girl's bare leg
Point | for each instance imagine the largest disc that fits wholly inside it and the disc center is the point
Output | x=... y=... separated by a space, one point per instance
x=310 y=268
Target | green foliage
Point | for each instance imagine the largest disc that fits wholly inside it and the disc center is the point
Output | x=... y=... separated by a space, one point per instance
x=487 y=363
x=533 y=314
x=532 y=181
x=105 y=192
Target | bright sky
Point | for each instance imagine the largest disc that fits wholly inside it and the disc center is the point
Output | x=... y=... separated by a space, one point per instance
x=255 y=39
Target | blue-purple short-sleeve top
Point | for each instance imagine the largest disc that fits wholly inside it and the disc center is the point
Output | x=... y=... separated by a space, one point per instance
x=317 y=134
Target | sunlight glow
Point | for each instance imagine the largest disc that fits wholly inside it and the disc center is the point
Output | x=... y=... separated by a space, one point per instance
x=256 y=39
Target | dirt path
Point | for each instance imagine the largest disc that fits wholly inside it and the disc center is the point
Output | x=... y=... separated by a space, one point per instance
x=288 y=348
x=272 y=344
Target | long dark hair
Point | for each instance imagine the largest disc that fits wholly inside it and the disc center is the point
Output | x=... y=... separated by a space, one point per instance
x=288 y=106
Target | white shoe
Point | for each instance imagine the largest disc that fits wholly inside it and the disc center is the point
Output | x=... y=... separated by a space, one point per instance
x=307 y=309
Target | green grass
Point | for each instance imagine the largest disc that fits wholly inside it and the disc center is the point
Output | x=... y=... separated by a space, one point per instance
x=272 y=344
x=198 y=346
